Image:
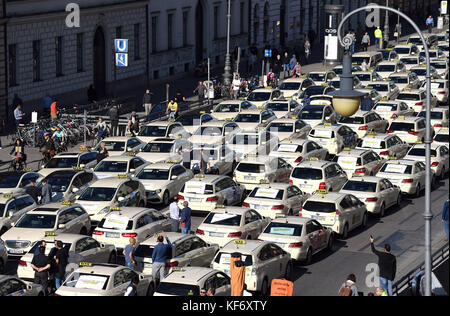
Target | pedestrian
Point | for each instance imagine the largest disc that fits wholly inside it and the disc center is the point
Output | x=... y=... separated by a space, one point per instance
x=128 y=253
x=306 y=100
x=33 y=191
x=92 y=94
x=46 y=192
x=311 y=36
x=297 y=71
x=378 y=38
x=185 y=219
x=160 y=256
x=203 y=164
x=133 y=124
x=430 y=24
x=380 y=292
x=41 y=265
x=16 y=101
x=114 y=118
x=366 y=103
x=102 y=129
x=307 y=51
x=349 y=287
x=186 y=157
x=102 y=152
x=277 y=67
x=174 y=211
x=62 y=260
x=132 y=287
x=54 y=109
x=201 y=91
x=397 y=32
x=147 y=103
x=364 y=65
x=271 y=78
x=179 y=97
x=352 y=46
x=365 y=42
x=18 y=151
x=286 y=65
x=387 y=264
x=445 y=218
x=46 y=104
x=49 y=147
x=236 y=86
x=18 y=115
x=172 y=109
x=292 y=63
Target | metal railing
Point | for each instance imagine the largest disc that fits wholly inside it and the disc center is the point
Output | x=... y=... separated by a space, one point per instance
x=405 y=282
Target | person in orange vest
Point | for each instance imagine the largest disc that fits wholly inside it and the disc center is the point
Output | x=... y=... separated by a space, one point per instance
x=281 y=287
x=54 y=110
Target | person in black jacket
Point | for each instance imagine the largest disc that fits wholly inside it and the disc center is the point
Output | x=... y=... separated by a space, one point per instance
x=114 y=118
x=387 y=264
x=41 y=265
x=62 y=259
x=147 y=103
x=33 y=191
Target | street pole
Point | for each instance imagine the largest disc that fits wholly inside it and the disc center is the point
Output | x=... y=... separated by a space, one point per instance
x=227 y=74
x=427 y=215
x=84 y=129
x=399 y=28
x=386 y=27
x=209 y=80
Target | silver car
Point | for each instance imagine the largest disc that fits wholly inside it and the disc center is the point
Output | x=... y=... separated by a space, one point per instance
x=13 y=286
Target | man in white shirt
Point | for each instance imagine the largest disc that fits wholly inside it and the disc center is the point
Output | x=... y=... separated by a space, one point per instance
x=364 y=66
x=174 y=214
x=236 y=86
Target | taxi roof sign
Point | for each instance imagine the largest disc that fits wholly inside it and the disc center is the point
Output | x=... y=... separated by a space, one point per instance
x=114 y=208
x=239 y=242
x=85 y=264
x=27 y=169
x=322 y=191
x=66 y=203
x=83 y=148
x=7 y=196
x=129 y=135
x=199 y=176
x=121 y=176
x=77 y=168
x=48 y=234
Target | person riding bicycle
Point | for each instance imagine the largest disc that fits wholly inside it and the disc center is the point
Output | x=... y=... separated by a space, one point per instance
x=49 y=147
x=19 y=154
x=102 y=129
x=59 y=137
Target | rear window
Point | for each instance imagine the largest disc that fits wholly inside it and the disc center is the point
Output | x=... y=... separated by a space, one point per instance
x=320 y=207
x=396 y=168
x=352 y=120
x=360 y=186
x=198 y=188
x=434 y=115
x=263 y=193
x=178 y=289
x=251 y=168
x=442 y=138
x=224 y=258
x=401 y=127
x=284 y=229
x=408 y=97
x=307 y=174
x=144 y=251
x=371 y=143
x=421 y=152
x=223 y=219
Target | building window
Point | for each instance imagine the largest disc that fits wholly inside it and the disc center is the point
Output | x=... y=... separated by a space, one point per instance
x=137 y=42
x=216 y=22
x=242 y=18
x=80 y=56
x=58 y=56
x=154 y=33
x=170 y=31
x=119 y=32
x=36 y=60
x=185 y=28
x=12 y=65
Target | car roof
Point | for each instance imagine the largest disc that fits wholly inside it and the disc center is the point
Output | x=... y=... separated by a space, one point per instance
x=258 y=159
x=413 y=91
x=215 y=124
x=173 y=237
x=362 y=113
x=4 y=198
x=277 y=186
x=401 y=162
x=70 y=155
x=333 y=127
x=160 y=165
x=232 y=102
x=388 y=62
x=117 y=138
x=389 y=102
x=295 y=80
x=436 y=110
x=291 y=220
x=353 y=153
x=163 y=140
x=187 y=275
x=408 y=119
x=251 y=111
x=131 y=212
x=208 y=178
x=64 y=172
x=159 y=123
x=263 y=90
x=65 y=238
x=379 y=136
x=295 y=141
x=103 y=269
x=51 y=208
x=314 y=164
x=246 y=248
x=329 y=197
x=285 y=120
x=433 y=146
x=112 y=182
x=236 y=210
x=367 y=178
x=119 y=158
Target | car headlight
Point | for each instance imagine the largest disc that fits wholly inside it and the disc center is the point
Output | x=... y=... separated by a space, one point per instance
x=155 y=192
x=104 y=211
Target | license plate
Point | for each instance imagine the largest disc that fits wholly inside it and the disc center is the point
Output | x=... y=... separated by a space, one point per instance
x=15 y=251
x=249 y=178
x=307 y=186
x=213 y=234
x=112 y=235
x=194 y=200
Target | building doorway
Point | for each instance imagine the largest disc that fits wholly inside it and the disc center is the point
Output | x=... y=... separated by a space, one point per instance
x=100 y=62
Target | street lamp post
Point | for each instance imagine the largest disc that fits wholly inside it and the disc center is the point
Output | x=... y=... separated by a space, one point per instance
x=227 y=74
x=427 y=212
x=386 y=27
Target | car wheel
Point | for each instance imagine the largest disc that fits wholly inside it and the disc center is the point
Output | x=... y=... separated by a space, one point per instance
x=399 y=199
x=288 y=274
x=330 y=243
x=417 y=191
x=365 y=220
x=83 y=231
x=309 y=255
x=166 y=198
x=345 y=232
x=382 y=210
x=150 y=290
x=265 y=287
x=112 y=258
x=443 y=172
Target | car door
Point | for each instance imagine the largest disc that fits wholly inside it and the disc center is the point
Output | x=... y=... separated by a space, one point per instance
x=200 y=254
x=251 y=227
x=93 y=252
x=341 y=177
x=357 y=210
x=312 y=234
x=235 y=191
x=419 y=173
x=121 y=281
x=222 y=284
x=294 y=199
x=267 y=263
x=278 y=264
x=391 y=193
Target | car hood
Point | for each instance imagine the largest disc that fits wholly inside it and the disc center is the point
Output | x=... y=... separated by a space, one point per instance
x=253 y=127
x=16 y=233
x=154 y=157
x=68 y=291
x=205 y=139
x=152 y=185
x=93 y=207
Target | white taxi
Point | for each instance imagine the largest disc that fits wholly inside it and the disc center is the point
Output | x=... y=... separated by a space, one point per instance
x=378 y=194
x=111 y=192
x=254 y=120
x=410 y=129
x=421 y=72
x=121 y=224
x=253 y=171
x=387 y=89
x=405 y=80
x=368 y=77
x=215 y=132
x=289 y=128
x=416 y=99
x=53 y=218
x=260 y=96
x=162 y=129
x=117 y=146
x=300 y=237
x=412 y=61
x=363 y=122
x=221 y=159
x=205 y=192
x=113 y=167
x=409 y=175
x=336 y=83
x=406 y=50
x=164 y=149
x=385 y=145
x=439 y=158
x=334 y=137
x=12 y=207
x=314 y=175
x=67 y=161
x=390 y=110
x=341 y=212
x=283 y=108
x=272 y=200
x=190 y=281
x=320 y=77
x=440 y=89
x=441 y=66
x=163 y=181
x=317 y=114
x=253 y=143
x=439 y=117
x=386 y=68
x=298 y=150
x=229 y=223
x=291 y=86
x=227 y=110
x=13 y=286
x=104 y=280
x=186 y=251
x=264 y=261
x=12 y=182
x=359 y=162
x=80 y=249
x=442 y=137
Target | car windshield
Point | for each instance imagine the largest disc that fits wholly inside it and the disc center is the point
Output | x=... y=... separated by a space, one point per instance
x=434 y=115
x=259 y=96
x=444 y=48
x=396 y=168
x=226 y=108
x=433 y=54
x=316 y=90
x=336 y=84
x=281 y=127
x=408 y=97
x=153 y=131
x=245 y=140
x=365 y=77
x=439 y=65
x=319 y=207
x=410 y=61
x=112 y=166
x=284 y=229
x=178 y=289
x=397 y=79
x=8 y=181
x=97 y=194
x=263 y=193
x=59 y=182
x=442 y=138
x=307 y=174
x=209 y=131
x=360 y=186
x=415 y=40
x=311 y=114
x=290 y=86
x=402 y=50
x=289 y=148
x=401 y=127
x=419 y=71
x=358 y=60
x=158 y=148
x=251 y=168
x=379 y=87
x=153 y=174
x=247 y=118
x=223 y=219
x=385 y=68
x=317 y=76
x=385 y=107
x=37 y=221
x=420 y=152
x=352 y=120
x=62 y=163
x=113 y=146
x=277 y=106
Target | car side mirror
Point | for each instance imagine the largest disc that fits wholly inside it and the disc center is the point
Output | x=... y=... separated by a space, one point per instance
x=102 y=246
x=12 y=224
x=132 y=170
x=29 y=287
x=174 y=178
x=75 y=190
x=82 y=165
x=141 y=277
x=61 y=226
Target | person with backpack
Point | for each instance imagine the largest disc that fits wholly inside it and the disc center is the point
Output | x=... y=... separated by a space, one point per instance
x=349 y=287
x=388 y=266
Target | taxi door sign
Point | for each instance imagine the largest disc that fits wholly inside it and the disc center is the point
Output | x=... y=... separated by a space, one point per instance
x=281 y=287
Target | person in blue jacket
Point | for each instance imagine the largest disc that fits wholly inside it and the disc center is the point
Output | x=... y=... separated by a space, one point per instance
x=185 y=219
x=445 y=218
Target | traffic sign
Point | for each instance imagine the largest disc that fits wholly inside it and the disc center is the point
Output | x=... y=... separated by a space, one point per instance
x=121 y=45
x=268 y=53
x=121 y=60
